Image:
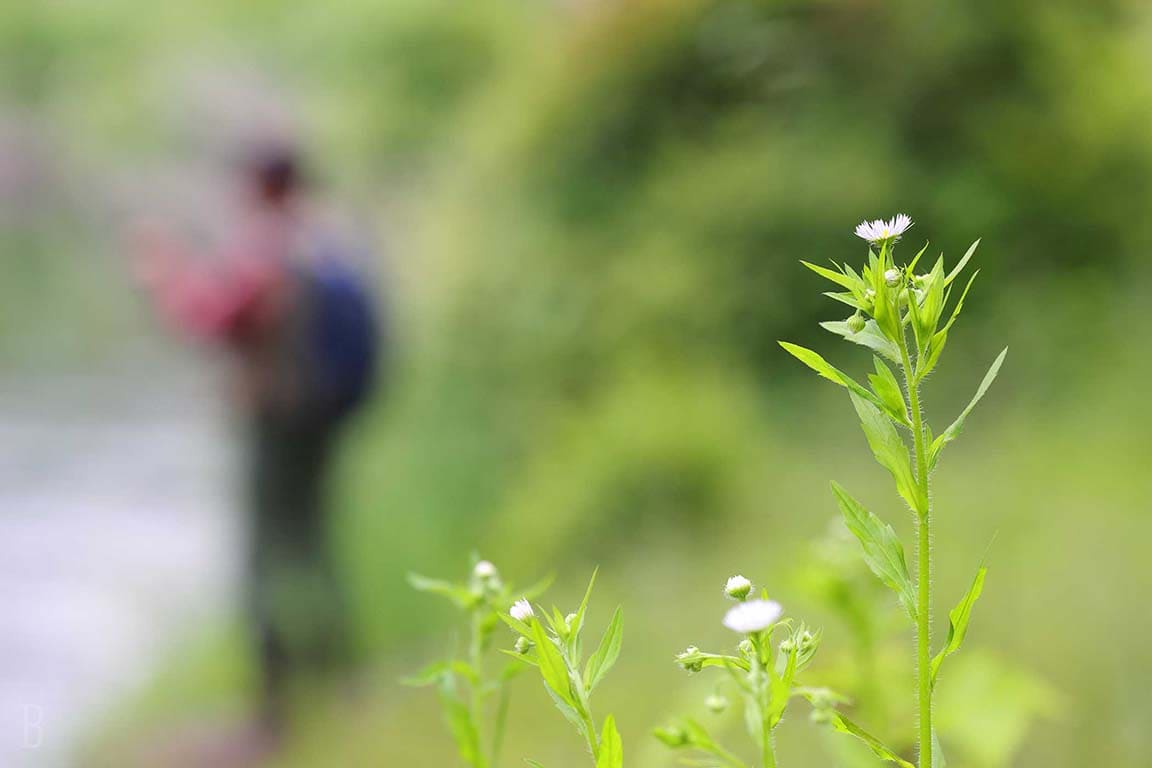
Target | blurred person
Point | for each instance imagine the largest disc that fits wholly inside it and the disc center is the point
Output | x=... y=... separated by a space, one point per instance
x=300 y=335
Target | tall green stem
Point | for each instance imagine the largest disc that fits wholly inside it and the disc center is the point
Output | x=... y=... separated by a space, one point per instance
x=769 y=750
x=476 y=659
x=923 y=562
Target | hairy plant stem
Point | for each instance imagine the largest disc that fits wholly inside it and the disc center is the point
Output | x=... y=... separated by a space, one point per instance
x=476 y=659
x=769 y=750
x=923 y=561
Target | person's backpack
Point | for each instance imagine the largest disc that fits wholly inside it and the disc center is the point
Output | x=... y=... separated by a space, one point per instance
x=343 y=332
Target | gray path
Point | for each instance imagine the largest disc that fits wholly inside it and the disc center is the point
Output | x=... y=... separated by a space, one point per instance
x=116 y=536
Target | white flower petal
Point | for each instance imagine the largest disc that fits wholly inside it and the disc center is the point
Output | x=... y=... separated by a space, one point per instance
x=753 y=616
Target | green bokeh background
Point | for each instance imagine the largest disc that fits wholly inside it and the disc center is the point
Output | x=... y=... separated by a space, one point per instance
x=594 y=213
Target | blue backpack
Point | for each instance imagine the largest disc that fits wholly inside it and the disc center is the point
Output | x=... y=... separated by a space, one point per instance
x=343 y=337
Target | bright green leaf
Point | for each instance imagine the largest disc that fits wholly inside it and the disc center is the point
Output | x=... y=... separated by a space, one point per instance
x=950 y=434
x=958 y=621
x=883 y=551
x=552 y=666
x=870 y=336
x=825 y=369
x=962 y=263
x=890 y=451
x=606 y=654
x=844 y=725
x=829 y=274
x=887 y=388
x=611 y=753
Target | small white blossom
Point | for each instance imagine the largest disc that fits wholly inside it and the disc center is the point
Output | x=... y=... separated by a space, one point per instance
x=880 y=230
x=521 y=610
x=737 y=587
x=753 y=616
x=484 y=570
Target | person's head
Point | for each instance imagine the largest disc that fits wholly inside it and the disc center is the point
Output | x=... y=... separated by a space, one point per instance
x=272 y=173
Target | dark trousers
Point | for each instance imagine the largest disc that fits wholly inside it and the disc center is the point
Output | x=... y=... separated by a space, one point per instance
x=295 y=603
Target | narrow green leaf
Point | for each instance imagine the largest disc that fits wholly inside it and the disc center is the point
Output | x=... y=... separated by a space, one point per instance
x=912 y=264
x=462 y=596
x=927 y=361
x=844 y=298
x=883 y=551
x=552 y=666
x=834 y=276
x=534 y=763
x=825 y=369
x=962 y=263
x=960 y=302
x=578 y=622
x=958 y=619
x=869 y=336
x=842 y=724
x=606 y=654
x=887 y=388
x=890 y=451
x=611 y=747
x=461 y=724
x=953 y=430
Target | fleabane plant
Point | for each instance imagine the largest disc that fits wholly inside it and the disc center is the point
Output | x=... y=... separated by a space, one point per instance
x=553 y=644
x=903 y=317
x=765 y=669
x=473 y=692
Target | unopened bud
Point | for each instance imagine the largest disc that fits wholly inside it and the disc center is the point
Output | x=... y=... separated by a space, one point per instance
x=738 y=587
x=856 y=323
x=892 y=278
x=747 y=649
x=522 y=645
x=716 y=703
x=673 y=736
x=690 y=659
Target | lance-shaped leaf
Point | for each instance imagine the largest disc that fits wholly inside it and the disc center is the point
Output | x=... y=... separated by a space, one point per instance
x=817 y=363
x=574 y=650
x=962 y=263
x=887 y=388
x=839 y=278
x=890 y=450
x=552 y=666
x=611 y=753
x=869 y=336
x=605 y=656
x=844 y=725
x=958 y=621
x=883 y=551
x=460 y=722
x=953 y=430
x=460 y=595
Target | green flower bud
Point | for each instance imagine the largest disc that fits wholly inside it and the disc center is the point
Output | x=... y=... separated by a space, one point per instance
x=522 y=645
x=690 y=660
x=747 y=650
x=716 y=703
x=738 y=587
x=673 y=736
x=892 y=277
x=856 y=323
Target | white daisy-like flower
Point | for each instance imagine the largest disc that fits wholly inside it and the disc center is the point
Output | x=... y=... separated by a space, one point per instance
x=484 y=570
x=879 y=231
x=521 y=610
x=737 y=587
x=753 y=616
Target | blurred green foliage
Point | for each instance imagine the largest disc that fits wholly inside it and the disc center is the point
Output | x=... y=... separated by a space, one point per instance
x=594 y=213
